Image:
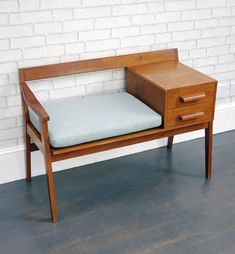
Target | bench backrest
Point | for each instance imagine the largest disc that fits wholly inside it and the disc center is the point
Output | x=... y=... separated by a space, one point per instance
x=107 y=63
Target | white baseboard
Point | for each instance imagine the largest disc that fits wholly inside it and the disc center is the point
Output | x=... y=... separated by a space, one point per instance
x=13 y=165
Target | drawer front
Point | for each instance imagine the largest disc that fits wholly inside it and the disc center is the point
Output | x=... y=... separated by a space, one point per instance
x=189 y=115
x=190 y=96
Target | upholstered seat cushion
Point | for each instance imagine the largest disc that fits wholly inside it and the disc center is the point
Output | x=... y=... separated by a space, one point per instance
x=77 y=120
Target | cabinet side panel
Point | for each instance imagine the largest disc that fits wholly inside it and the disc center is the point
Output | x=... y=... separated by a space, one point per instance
x=146 y=92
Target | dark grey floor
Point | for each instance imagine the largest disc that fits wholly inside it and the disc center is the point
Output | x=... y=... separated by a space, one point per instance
x=150 y=202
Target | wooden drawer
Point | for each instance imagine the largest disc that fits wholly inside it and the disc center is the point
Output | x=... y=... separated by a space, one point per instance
x=189 y=115
x=190 y=96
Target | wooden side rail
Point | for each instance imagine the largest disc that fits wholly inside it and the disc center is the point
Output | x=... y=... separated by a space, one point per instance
x=33 y=103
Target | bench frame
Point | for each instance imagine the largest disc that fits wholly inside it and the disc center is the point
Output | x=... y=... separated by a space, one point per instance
x=41 y=140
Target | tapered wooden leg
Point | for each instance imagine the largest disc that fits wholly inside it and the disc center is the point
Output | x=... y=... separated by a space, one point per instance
x=208 y=150
x=48 y=166
x=28 y=159
x=170 y=142
x=51 y=190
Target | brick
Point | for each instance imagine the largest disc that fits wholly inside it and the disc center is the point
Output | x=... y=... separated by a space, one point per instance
x=26 y=42
x=8 y=143
x=4 y=44
x=82 y=13
x=13 y=78
x=3 y=103
x=231 y=39
x=30 y=17
x=8 y=6
x=94 y=35
x=95 y=77
x=219 y=50
x=210 y=3
x=3 y=19
x=97 y=54
x=156 y=7
x=143 y=19
x=209 y=70
x=186 y=35
x=206 y=23
x=74 y=48
x=115 y=85
x=168 y=17
x=95 y=88
x=232 y=91
x=40 y=85
x=29 y=5
x=231 y=2
x=227 y=21
x=226 y=58
x=51 y=4
x=222 y=90
x=221 y=12
x=14 y=100
x=15 y=31
x=197 y=53
x=232 y=48
x=7 y=90
x=133 y=50
x=224 y=75
x=225 y=67
x=129 y=9
x=20 y=121
x=8 y=68
x=137 y=41
x=64 y=82
x=154 y=29
x=10 y=55
x=48 y=28
x=100 y=2
x=111 y=22
x=125 y=31
x=102 y=45
x=42 y=96
x=212 y=42
x=62 y=38
x=4 y=80
x=11 y=133
x=63 y=14
x=10 y=112
x=215 y=32
x=46 y=51
x=78 y=25
x=196 y=14
x=38 y=61
x=73 y=91
x=180 y=26
x=162 y=38
x=118 y=74
x=204 y=61
x=183 y=45
x=179 y=5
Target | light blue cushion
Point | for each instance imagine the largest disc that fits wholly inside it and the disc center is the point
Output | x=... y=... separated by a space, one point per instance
x=77 y=120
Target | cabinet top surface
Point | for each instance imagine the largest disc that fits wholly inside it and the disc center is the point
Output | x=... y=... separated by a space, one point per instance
x=171 y=75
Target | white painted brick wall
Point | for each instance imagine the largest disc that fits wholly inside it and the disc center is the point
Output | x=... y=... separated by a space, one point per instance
x=38 y=32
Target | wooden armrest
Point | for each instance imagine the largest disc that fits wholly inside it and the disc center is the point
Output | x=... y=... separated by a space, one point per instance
x=33 y=103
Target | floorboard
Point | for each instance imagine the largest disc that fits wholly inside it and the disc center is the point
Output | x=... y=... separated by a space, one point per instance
x=151 y=202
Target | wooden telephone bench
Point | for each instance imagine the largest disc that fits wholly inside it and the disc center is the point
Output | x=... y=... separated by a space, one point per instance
x=183 y=97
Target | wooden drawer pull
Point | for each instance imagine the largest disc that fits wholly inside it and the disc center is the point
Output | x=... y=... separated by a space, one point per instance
x=191 y=116
x=192 y=98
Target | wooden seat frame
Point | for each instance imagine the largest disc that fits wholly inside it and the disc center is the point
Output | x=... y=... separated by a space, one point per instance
x=41 y=140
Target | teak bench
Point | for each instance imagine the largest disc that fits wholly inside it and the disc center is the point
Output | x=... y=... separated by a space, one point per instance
x=183 y=97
